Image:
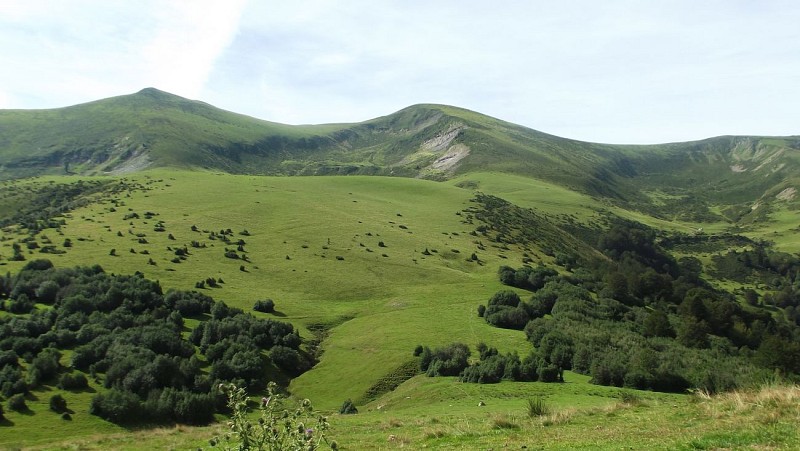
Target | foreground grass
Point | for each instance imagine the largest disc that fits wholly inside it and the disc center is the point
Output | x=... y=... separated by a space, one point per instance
x=583 y=417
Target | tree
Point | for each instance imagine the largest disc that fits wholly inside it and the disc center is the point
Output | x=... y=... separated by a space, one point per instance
x=693 y=333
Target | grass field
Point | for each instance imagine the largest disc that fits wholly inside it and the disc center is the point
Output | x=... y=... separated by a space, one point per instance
x=347 y=255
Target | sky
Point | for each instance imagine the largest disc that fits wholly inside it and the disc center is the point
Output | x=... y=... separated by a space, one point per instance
x=626 y=72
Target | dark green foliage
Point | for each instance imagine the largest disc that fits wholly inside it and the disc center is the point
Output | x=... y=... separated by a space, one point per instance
x=779 y=352
x=348 y=408
x=47 y=291
x=58 y=404
x=447 y=361
x=11 y=380
x=657 y=325
x=17 y=403
x=38 y=265
x=73 y=381
x=188 y=303
x=493 y=368
x=46 y=363
x=628 y=240
x=117 y=406
x=264 y=306
x=40 y=205
x=505 y=298
x=526 y=277
x=287 y=359
x=504 y=311
x=124 y=331
x=645 y=321
x=20 y=305
x=9 y=358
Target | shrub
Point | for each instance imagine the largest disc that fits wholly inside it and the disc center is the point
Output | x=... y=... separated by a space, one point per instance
x=505 y=297
x=448 y=361
x=348 y=408
x=116 y=406
x=58 y=404
x=17 y=403
x=287 y=359
x=264 y=306
x=537 y=407
x=74 y=381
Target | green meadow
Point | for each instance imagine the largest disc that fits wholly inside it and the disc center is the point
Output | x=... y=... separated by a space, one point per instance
x=372 y=267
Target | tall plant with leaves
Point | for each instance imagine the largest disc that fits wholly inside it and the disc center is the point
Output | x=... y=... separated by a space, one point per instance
x=279 y=427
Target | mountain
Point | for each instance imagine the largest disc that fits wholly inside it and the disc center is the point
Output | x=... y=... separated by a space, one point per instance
x=723 y=177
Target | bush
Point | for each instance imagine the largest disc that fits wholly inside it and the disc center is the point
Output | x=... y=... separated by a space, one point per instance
x=505 y=297
x=17 y=403
x=348 y=408
x=448 y=361
x=537 y=407
x=287 y=359
x=58 y=404
x=116 y=406
x=74 y=381
x=265 y=306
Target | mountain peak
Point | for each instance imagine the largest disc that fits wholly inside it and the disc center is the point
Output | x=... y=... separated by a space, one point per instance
x=153 y=91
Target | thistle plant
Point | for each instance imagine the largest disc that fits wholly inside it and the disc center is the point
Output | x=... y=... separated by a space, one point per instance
x=279 y=427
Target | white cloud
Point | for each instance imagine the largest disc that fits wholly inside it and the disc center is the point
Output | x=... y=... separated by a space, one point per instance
x=626 y=70
x=188 y=38
x=67 y=52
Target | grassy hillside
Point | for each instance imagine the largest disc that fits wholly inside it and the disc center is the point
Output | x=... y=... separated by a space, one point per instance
x=371 y=266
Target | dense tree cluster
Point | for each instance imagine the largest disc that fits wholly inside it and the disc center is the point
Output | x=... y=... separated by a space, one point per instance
x=43 y=203
x=128 y=335
x=454 y=360
x=645 y=320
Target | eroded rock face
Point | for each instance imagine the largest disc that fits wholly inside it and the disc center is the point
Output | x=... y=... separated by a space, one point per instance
x=787 y=194
x=441 y=142
x=449 y=161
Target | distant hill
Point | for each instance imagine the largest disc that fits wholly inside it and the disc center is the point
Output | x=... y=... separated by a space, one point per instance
x=703 y=180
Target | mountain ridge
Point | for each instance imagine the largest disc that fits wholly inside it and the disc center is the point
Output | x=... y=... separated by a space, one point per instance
x=153 y=128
